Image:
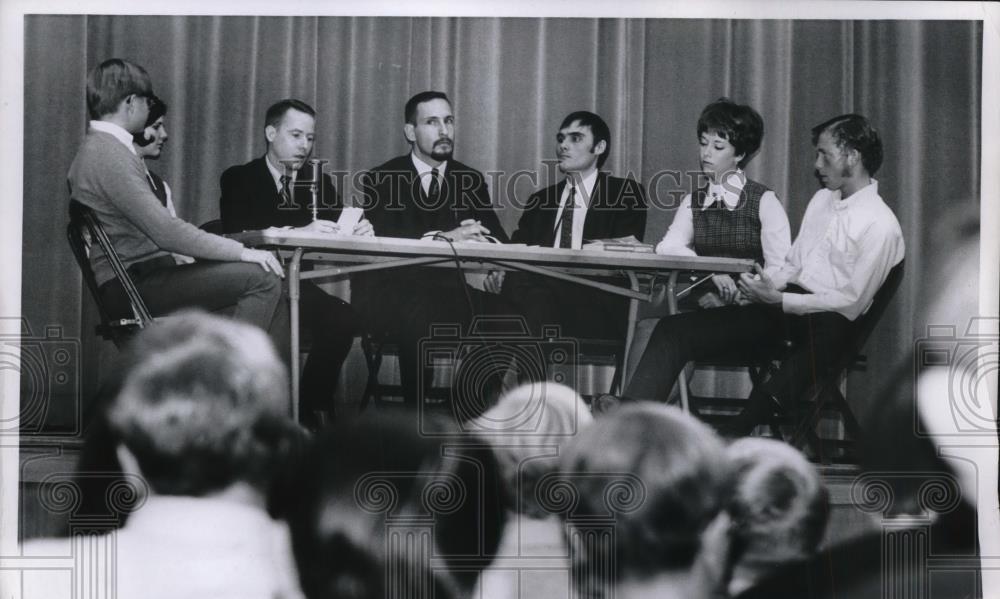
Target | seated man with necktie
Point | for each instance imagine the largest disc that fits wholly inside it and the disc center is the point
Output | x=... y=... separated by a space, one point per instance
x=426 y=194
x=263 y=193
x=587 y=205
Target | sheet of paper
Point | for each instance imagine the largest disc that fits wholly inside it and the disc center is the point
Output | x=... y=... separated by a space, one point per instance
x=349 y=217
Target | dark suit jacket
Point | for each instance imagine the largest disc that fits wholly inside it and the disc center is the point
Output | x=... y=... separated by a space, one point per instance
x=396 y=205
x=250 y=200
x=617 y=209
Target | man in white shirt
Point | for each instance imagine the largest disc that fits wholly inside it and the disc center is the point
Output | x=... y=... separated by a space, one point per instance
x=848 y=242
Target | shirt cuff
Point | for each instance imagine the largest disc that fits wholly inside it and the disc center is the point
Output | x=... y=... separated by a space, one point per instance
x=794 y=303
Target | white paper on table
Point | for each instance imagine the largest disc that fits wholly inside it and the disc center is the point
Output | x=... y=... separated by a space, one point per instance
x=350 y=216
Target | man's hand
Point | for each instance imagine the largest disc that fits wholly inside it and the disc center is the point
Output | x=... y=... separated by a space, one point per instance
x=710 y=300
x=758 y=288
x=364 y=228
x=468 y=230
x=321 y=226
x=266 y=260
x=494 y=281
x=727 y=288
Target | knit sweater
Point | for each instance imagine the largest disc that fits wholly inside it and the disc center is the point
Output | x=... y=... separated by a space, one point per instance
x=110 y=179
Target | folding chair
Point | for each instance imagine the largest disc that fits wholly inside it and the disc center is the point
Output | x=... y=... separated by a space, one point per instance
x=83 y=231
x=825 y=394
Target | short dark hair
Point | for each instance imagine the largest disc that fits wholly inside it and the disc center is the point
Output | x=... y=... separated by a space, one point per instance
x=854 y=132
x=342 y=508
x=277 y=111
x=410 y=110
x=739 y=124
x=111 y=82
x=157 y=108
x=597 y=127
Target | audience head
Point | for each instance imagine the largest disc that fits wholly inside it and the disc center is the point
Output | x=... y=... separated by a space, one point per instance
x=584 y=140
x=779 y=509
x=201 y=406
x=847 y=147
x=662 y=477
x=376 y=493
x=528 y=428
x=290 y=131
x=121 y=88
x=429 y=126
x=149 y=142
x=730 y=135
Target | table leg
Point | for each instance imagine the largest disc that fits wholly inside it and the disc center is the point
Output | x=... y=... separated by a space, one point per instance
x=672 y=309
x=633 y=317
x=294 y=271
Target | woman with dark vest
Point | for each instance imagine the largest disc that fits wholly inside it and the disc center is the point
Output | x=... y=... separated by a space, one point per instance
x=731 y=216
x=149 y=146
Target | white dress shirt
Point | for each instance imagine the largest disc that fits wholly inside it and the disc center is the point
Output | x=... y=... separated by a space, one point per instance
x=424 y=172
x=775 y=233
x=843 y=254
x=178 y=258
x=277 y=173
x=119 y=133
x=581 y=201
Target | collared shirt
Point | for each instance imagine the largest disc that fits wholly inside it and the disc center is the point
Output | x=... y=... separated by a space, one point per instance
x=843 y=254
x=775 y=233
x=581 y=201
x=424 y=172
x=119 y=133
x=277 y=173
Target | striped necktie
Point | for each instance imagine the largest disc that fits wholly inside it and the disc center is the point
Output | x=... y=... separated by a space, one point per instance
x=566 y=224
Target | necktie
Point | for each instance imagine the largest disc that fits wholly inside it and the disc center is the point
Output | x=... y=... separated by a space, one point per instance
x=285 y=194
x=434 y=190
x=566 y=226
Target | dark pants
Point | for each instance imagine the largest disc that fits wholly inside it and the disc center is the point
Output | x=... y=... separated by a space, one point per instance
x=742 y=333
x=579 y=311
x=247 y=290
x=435 y=312
x=331 y=325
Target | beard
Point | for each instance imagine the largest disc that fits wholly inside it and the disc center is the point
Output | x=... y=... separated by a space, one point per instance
x=442 y=150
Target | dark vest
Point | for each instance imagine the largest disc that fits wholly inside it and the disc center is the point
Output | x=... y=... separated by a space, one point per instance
x=725 y=233
x=160 y=190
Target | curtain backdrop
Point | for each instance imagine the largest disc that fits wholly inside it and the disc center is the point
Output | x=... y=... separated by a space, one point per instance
x=511 y=81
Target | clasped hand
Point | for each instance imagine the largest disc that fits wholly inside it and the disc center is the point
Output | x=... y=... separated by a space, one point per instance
x=758 y=288
x=362 y=228
x=467 y=230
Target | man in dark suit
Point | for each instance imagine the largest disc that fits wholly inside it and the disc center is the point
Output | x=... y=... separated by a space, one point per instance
x=425 y=194
x=587 y=205
x=275 y=191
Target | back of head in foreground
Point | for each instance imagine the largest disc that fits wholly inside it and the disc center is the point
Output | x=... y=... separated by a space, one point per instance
x=378 y=498
x=653 y=481
x=202 y=406
x=528 y=427
x=779 y=509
